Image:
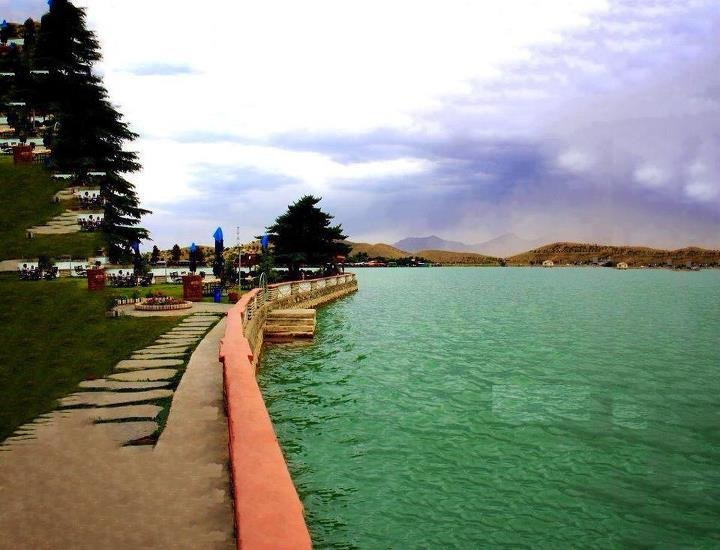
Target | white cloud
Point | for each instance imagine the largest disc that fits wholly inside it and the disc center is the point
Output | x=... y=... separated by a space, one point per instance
x=703 y=191
x=650 y=175
x=575 y=161
x=174 y=172
x=279 y=66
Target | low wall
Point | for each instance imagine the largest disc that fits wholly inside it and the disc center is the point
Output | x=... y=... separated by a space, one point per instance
x=268 y=511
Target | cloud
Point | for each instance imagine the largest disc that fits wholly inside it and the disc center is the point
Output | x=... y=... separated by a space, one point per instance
x=17 y=11
x=575 y=161
x=589 y=120
x=160 y=69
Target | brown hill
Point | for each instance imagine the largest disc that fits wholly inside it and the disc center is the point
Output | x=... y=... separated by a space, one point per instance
x=635 y=256
x=379 y=250
x=445 y=257
x=456 y=258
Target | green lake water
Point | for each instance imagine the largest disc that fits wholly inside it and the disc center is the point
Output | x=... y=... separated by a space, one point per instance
x=489 y=407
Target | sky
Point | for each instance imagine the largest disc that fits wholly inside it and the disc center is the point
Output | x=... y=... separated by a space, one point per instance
x=585 y=120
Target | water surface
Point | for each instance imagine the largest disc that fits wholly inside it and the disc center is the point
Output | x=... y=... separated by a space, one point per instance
x=480 y=407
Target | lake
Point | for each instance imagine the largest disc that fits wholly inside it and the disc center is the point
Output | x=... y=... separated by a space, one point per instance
x=482 y=407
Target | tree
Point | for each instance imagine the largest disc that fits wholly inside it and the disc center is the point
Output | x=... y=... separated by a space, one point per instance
x=4 y=32
x=29 y=35
x=89 y=133
x=175 y=254
x=304 y=235
x=155 y=255
x=200 y=256
x=267 y=265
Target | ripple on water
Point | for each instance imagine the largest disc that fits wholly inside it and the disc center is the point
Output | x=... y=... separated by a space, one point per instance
x=461 y=408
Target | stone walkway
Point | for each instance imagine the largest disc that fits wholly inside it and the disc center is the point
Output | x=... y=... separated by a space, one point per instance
x=70 y=479
x=59 y=225
x=9 y=265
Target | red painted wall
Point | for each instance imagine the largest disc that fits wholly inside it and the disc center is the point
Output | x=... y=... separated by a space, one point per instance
x=268 y=512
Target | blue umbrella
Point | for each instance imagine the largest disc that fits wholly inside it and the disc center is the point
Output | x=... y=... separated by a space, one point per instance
x=218 y=262
x=3 y=25
x=193 y=261
x=264 y=241
x=137 y=264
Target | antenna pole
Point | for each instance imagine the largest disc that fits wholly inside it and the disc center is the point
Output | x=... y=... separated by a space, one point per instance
x=237 y=242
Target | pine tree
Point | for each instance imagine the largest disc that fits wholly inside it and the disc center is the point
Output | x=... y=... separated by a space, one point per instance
x=155 y=255
x=175 y=254
x=29 y=36
x=303 y=235
x=200 y=257
x=88 y=132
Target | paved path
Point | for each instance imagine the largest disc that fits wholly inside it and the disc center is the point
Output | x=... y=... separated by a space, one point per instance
x=9 y=265
x=61 y=224
x=67 y=481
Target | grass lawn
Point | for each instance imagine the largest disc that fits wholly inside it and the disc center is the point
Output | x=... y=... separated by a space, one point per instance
x=54 y=335
x=26 y=194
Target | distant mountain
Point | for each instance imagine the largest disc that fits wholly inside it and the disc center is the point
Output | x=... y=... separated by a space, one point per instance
x=414 y=244
x=504 y=245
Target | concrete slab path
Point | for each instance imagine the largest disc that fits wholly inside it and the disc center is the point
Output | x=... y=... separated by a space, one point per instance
x=68 y=482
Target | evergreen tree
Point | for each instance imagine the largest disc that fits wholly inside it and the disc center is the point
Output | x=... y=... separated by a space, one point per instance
x=266 y=266
x=303 y=236
x=29 y=35
x=200 y=256
x=88 y=133
x=64 y=43
x=175 y=254
x=6 y=31
x=155 y=255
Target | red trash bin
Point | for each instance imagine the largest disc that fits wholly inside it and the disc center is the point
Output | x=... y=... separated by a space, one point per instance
x=192 y=288
x=96 y=279
x=22 y=154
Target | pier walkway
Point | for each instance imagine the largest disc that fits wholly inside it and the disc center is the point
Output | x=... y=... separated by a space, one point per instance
x=67 y=481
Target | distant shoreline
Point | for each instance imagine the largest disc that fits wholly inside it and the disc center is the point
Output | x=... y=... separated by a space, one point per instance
x=525 y=266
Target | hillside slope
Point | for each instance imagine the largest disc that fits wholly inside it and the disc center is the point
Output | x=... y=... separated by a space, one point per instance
x=26 y=199
x=378 y=250
x=583 y=253
x=446 y=257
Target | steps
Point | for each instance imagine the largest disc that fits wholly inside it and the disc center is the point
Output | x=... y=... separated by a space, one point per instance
x=283 y=325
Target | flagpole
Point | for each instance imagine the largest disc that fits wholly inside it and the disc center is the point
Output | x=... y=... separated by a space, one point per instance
x=237 y=240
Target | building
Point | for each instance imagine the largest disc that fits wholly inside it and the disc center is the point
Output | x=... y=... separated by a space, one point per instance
x=548 y=263
x=621 y=265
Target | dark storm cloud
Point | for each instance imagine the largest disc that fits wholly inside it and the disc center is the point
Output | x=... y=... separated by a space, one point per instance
x=611 y=134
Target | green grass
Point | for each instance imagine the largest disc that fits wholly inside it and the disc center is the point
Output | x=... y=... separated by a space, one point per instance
x=56 y=334
x=26 y=199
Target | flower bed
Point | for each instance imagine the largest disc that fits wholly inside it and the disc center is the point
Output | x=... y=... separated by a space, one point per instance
x=163 y=307
x=157 y=301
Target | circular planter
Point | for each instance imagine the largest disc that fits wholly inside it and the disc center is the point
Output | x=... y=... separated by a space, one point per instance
x=162 y=307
